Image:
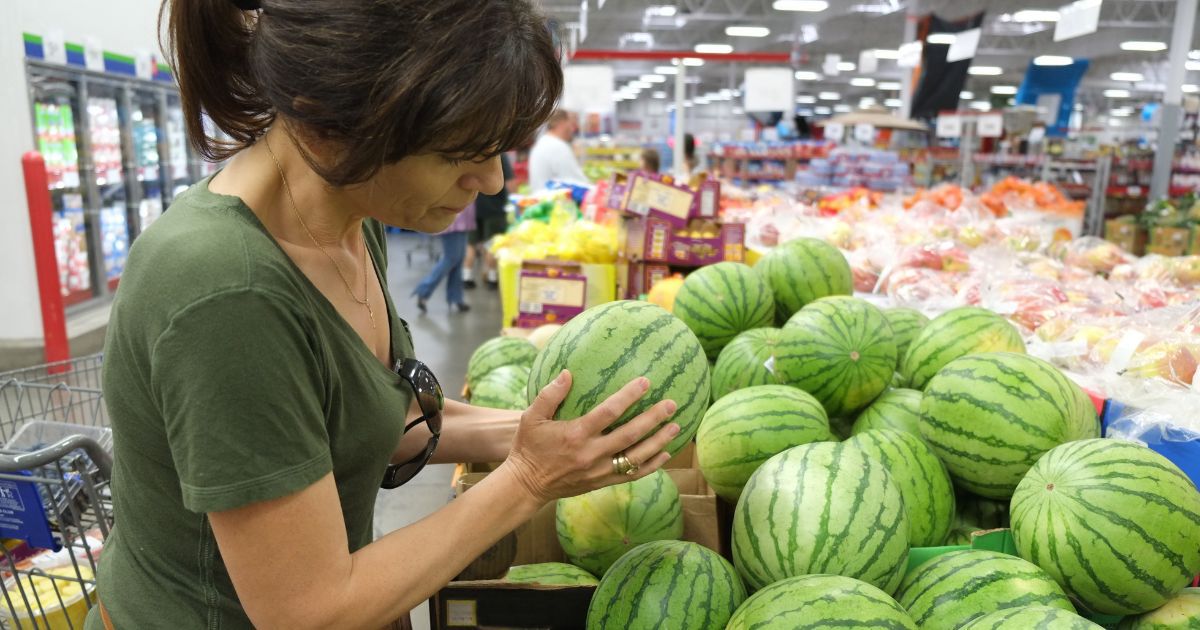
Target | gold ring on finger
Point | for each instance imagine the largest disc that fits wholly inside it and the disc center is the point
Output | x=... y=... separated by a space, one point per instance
x=622 y=465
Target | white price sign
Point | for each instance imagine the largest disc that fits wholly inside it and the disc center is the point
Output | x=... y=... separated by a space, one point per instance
x=864 y=133
x=867 y=62
x=93 y=54
x=990 y=125
x=910 y=55
x=835 y=131
x=588 y=88
x=1077 y=19
x=769 y=90
x=830 y=66
x=949 y=126
x=143 y=65
x=54 y=48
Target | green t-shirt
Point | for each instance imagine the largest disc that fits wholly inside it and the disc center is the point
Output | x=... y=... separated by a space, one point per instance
x=230 y=379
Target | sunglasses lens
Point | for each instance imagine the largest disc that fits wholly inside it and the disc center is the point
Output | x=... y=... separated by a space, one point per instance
x=397 y=475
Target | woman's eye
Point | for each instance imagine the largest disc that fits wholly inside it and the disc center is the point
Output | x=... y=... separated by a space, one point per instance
x=453 y=161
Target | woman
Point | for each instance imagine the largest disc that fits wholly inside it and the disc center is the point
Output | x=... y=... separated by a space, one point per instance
x=247 y=361
x=450 y=265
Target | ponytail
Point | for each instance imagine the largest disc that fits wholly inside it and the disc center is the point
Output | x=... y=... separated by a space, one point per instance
x=209 y=45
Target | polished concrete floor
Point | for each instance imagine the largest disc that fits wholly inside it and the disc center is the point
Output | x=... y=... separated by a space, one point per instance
x=444 y=340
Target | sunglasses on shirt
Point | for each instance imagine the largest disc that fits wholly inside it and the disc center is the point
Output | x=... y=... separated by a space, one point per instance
x=429 y=398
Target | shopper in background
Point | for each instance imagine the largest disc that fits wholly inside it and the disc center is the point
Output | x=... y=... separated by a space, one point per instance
x=552 y=157
x=650 y=161
x=248 y=368
x=690 y=160
x=450 y=265
x=491 y=220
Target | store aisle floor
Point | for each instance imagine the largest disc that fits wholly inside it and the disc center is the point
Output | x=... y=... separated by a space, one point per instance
x=444 y=340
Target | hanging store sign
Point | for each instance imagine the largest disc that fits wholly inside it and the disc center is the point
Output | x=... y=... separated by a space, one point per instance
x=588 y=88
x=1077 y=19
x=949 y=126
x=990 y=125
x=964 y=46
x=769 y=90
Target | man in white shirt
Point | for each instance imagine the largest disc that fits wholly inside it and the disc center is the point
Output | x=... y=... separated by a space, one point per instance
x=552 y=157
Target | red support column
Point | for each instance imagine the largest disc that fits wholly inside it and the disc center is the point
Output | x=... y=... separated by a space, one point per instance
x=41 y=225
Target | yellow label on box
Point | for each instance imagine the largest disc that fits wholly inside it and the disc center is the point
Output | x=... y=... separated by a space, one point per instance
x=647 y=194
x=460 y=613
x=559 y=291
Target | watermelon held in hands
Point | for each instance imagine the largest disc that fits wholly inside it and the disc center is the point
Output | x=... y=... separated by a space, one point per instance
x=597 y=528
x=608 y=346
x=956 y=333
x=921 y=478
x=840 y=350
x=498 y=352
x=990 y=416
x=821 y=508
x=1042 y=617
x=1117 y=524
x=747 y=361
x=748 y=427
x=502 y=388
x=819 y=602
x=804 y=270
x=1181 y=612
x=898 y=409
x=553 y=573
x=906 y=324
x=667 y=584
x=721 y=301
x=953 y=589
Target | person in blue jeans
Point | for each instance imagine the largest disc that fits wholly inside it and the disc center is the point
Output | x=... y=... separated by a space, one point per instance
x=449 y=266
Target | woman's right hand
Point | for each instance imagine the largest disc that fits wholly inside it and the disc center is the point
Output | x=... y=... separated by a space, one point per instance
x=553 y=459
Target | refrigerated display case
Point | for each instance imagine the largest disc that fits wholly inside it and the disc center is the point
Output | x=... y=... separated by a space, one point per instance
x=112 y=193
x=148 y=172
x=56 y=114
x=178 y=172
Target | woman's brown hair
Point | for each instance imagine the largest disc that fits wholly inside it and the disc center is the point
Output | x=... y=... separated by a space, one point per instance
x=378 y=79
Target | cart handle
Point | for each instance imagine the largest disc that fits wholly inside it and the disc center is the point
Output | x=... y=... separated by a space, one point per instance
x=56 y=451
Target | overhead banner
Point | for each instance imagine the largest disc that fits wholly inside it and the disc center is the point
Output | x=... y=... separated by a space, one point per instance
x=1077 y=19
x=942 y=80
x=588 y=88
x=1053 y=89
x=769 y=90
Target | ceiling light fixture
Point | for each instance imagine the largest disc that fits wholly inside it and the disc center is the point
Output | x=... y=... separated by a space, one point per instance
x=985 y=71
x=807 y=75
x=894 y=102
x=1116 y=93
x=829 y=96
x=941 y=38
x=1191 y=88
x=862 y=82
x=842 y=109
x=747 y=31
x=665 y=10
x=652 y=78
x=666 y=70
x=846 y=66
x=806 y=99
x=641 y=85
x=1137 y=46
x=1192 y=66
x=659 y=95
x=807 y=6
x=1131 y=77
x=693 y=62
x=1035 y=15
x=714 y=49
x=1052 y=60
x=823 y=111
x=1004 y=90
x=966 y=95
x=886 y=53
x=982 y=106
x=889 y=86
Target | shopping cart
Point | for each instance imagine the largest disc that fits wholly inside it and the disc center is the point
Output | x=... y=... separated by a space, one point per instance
x=55 y=505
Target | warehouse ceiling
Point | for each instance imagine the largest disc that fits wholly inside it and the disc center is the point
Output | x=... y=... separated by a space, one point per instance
x=847 y=27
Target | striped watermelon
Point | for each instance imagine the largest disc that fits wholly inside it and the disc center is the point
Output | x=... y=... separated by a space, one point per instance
x=821 y=508
x=820 y=602
x=667 y=584
x=840 y=350
x=990 y=416
x=922 y=479
x=748 y=360
x=608 y=346
x=498 y=352
x=906 y=324
x=596 y=528
x=960 y=535
x=1181 y=612
x=720 y=301
x=982 y=513
x=898 y=409
x=502 y=388
x=950 y=590
x=1117 y=524
x=804 y=270
x=953 y=334
x=748 y=427
x=1040 y=617
x=556 y=573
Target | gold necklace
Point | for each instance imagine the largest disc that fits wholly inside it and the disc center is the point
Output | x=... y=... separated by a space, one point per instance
x=366 y=298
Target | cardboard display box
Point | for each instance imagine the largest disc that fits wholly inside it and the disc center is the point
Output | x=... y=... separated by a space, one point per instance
x=1126 y=234
x=550 y=292
x=1169 y=241
x=497 y=604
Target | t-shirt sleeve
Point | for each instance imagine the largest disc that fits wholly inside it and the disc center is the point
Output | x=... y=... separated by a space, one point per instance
x=240 y=389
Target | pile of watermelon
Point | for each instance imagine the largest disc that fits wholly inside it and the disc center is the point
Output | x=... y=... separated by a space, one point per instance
x=845 y=435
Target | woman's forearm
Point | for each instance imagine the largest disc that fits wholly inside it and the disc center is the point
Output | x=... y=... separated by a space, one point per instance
x=469 y=434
